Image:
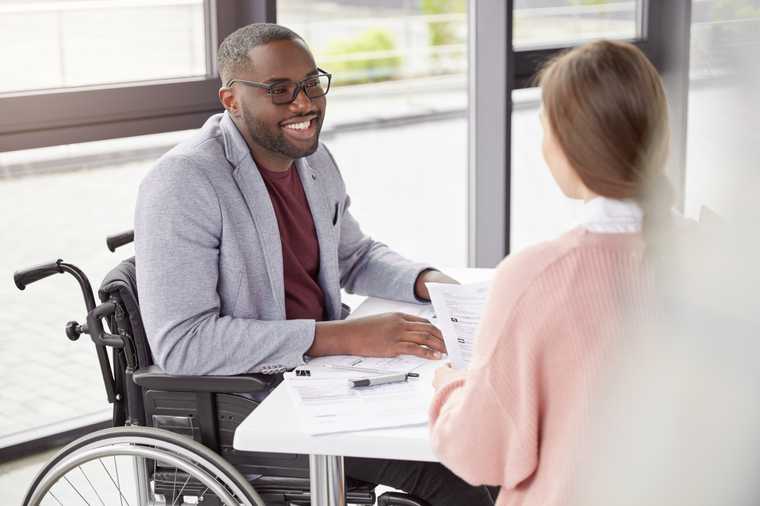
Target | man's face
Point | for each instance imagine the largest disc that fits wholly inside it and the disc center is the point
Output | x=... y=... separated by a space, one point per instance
x=290 y=130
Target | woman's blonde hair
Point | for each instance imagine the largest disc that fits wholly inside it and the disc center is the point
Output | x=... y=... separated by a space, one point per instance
x=606 y=106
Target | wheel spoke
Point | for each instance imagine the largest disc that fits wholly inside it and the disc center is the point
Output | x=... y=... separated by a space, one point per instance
x=118 y=486
x=180 y=490
x=174 y=484
x=75 y=490
x=118 y=481
x=54 y=497
x=91 y=486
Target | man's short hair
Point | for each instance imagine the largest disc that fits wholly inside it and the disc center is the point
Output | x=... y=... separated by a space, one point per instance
x=232 y=56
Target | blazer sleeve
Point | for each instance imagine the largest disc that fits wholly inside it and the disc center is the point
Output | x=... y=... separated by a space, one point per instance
x=367 y=266
x=177 y=238
x=484 y=426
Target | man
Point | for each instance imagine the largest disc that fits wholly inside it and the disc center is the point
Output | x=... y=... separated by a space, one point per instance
x=244 y=238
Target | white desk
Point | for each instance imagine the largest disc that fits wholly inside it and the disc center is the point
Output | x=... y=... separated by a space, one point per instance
x=274 y=426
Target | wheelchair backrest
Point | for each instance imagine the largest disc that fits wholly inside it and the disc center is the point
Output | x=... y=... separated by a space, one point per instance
x=120 y=286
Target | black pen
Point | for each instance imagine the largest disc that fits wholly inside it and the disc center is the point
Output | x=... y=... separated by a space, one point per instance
x=380 y=380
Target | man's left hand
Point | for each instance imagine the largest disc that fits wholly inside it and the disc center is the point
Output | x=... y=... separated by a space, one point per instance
x=430 y=276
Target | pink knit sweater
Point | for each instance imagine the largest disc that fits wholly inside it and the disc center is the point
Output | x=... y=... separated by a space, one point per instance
x=518 y=416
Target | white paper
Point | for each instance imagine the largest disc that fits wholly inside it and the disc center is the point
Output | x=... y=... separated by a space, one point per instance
x=375 y=305
x=328 y=404
x=383 y=365
x=458 y=309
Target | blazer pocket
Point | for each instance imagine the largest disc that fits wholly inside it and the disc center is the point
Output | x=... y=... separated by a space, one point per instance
x=336 y=214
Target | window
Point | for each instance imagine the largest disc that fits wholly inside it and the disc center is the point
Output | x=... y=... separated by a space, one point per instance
x=722 y=147
x=557 y=23
x=396 y=117
x=77 y=71
x=103 y=69
x=66 y=44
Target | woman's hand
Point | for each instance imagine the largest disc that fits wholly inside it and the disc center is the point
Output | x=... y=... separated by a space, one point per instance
x=444 y=374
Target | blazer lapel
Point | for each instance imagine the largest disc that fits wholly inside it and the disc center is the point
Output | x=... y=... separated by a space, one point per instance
x=322 y=213
x=256 y=196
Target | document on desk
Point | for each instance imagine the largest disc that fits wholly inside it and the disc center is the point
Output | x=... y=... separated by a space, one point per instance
x=376 y=305
x=458 y=309
x=383 y=365
x=328 y=404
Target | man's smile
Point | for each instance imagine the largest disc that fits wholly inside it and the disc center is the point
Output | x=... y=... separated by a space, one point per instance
x=302 y=127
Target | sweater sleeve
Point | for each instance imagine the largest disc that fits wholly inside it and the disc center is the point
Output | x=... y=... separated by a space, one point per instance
x=484 y=425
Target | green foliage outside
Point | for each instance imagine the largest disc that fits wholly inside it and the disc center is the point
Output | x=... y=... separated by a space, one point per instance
x=442 y=34
x=724 y=32
x=363 y=70
x=589 y=2
x=736 y=9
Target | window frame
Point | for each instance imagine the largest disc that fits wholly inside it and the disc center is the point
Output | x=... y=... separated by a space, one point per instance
x=664 y=37
x=40 y=118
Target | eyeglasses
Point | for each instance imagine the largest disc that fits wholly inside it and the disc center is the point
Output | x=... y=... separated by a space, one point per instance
x=285 y=92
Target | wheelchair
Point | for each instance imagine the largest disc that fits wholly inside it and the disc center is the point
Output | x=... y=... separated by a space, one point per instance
x=171 y=440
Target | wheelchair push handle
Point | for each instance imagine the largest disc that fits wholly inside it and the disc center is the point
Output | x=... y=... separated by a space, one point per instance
x=118 y=240
x=28 y=276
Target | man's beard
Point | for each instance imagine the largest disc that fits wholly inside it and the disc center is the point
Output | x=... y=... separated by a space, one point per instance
x=276 y=141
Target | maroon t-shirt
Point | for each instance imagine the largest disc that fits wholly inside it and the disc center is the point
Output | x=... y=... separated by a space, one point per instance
x=304 y=298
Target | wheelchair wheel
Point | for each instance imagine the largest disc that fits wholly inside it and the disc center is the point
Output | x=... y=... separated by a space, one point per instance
x=139 y=466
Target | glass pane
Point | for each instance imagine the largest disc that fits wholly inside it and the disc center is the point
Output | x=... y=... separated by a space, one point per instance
x=539 y=210
x=78 y=43
x=547 y=23
x=723 y=143
x=396 y=119
x=60 y=202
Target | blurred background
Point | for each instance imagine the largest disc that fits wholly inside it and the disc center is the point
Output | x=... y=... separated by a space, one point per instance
x=92 y=92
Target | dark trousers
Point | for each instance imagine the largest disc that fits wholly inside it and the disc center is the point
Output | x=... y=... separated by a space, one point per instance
x=429 y=481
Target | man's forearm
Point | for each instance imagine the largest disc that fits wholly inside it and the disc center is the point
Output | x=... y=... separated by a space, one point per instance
x=331 y=338
x=382 y=335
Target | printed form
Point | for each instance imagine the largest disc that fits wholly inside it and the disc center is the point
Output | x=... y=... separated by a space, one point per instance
x=328 y=404
x=458 y=309
x=370 y=365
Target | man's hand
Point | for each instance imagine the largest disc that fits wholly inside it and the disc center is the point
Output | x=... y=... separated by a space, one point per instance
x=383 y=335
x=444 y=374
x=430 y=276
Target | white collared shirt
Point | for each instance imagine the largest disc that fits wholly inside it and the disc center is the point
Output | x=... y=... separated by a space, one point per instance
x=611 y=216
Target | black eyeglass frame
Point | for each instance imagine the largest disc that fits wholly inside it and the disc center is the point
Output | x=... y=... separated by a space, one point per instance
x=296 y=91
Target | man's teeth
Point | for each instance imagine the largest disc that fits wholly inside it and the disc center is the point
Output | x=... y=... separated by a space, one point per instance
x=299 y=126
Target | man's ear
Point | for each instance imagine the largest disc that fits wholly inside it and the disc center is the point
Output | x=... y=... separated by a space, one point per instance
x=229 y=101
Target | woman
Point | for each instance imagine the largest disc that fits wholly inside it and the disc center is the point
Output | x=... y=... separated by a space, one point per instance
x=518 y=417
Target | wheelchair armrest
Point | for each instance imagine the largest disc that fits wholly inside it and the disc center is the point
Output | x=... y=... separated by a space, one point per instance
x=155 y=377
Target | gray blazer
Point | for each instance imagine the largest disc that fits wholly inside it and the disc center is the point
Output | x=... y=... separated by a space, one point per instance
x=209 y=257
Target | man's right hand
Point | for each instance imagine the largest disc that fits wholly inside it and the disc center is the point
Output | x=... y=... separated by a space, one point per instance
x=383 y=335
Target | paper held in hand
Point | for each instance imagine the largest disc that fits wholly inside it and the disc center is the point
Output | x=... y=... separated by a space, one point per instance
x=458 y=309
